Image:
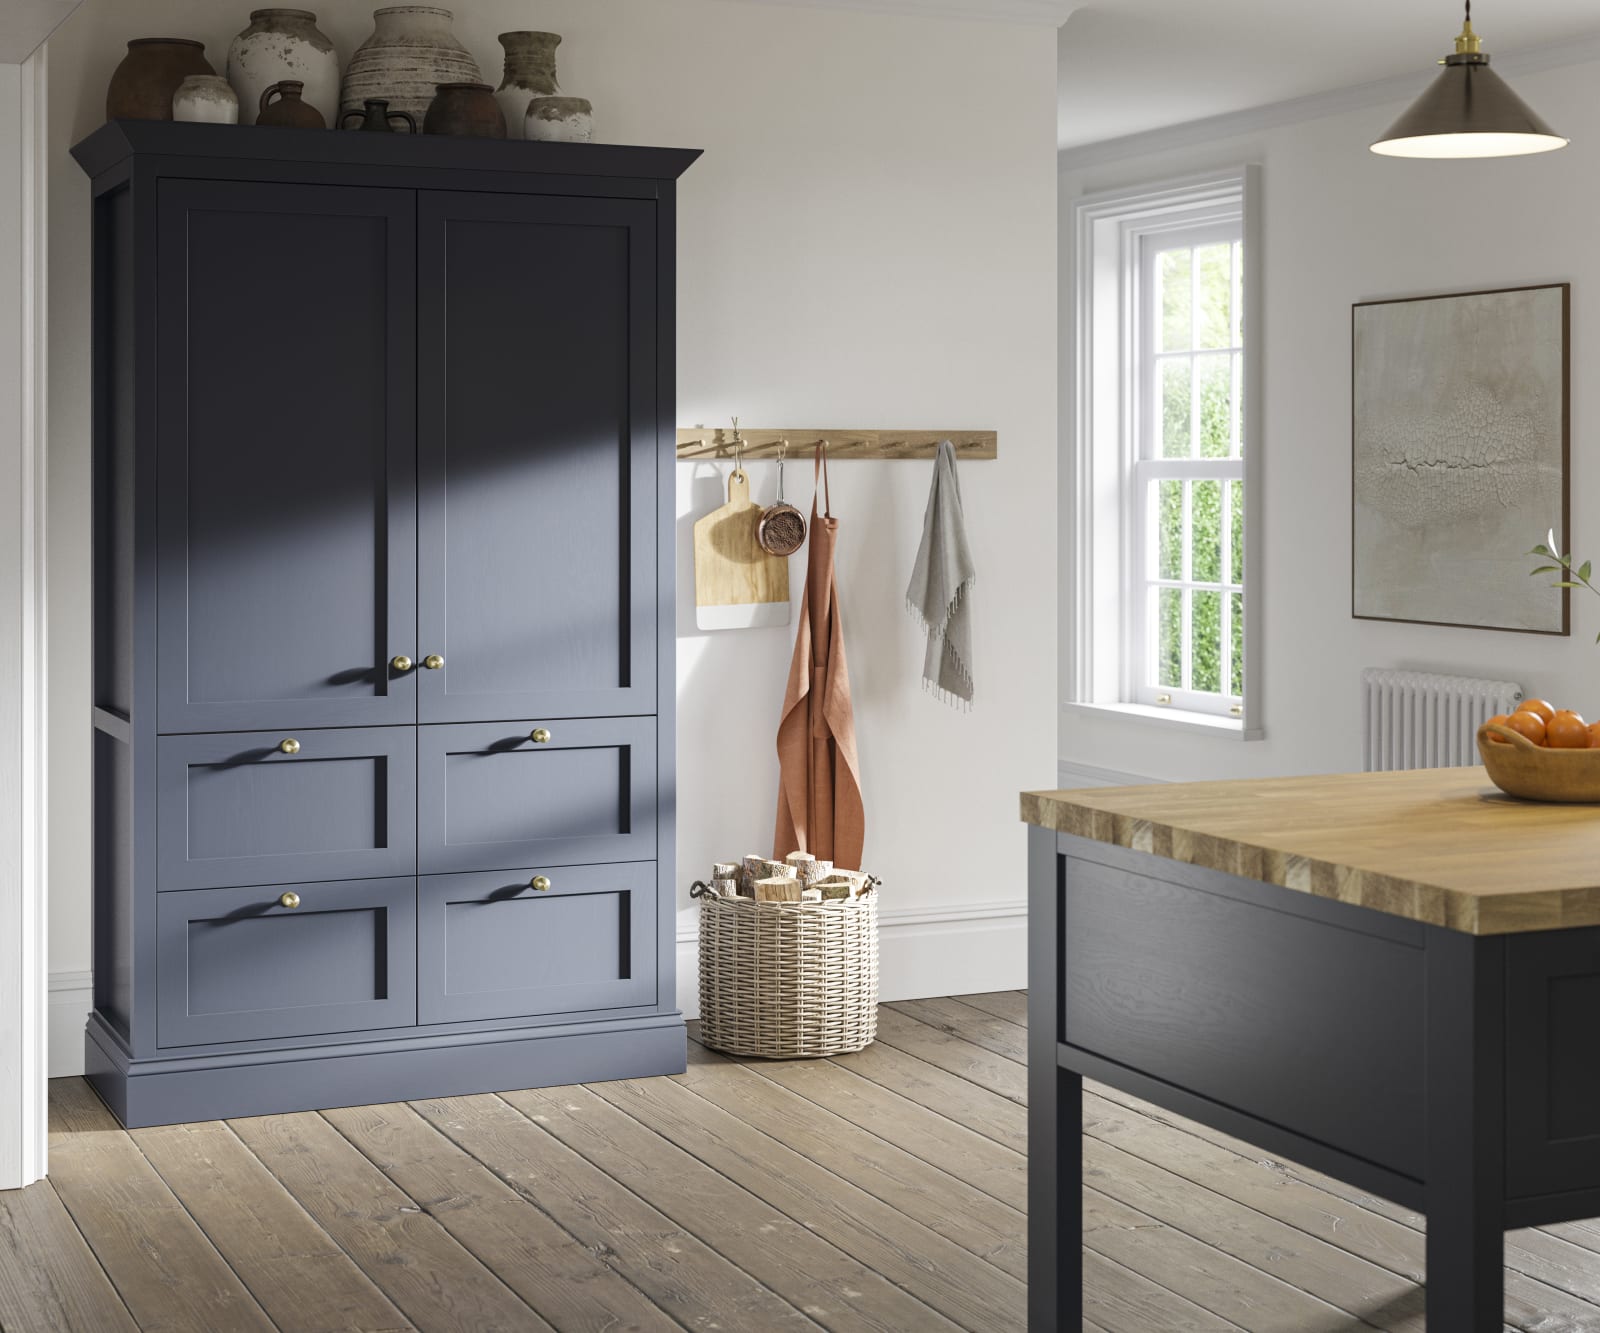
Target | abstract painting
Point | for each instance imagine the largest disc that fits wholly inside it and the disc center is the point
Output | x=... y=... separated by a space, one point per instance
x=1460 y=457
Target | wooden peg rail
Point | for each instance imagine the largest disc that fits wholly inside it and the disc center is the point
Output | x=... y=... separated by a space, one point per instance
x=698 y=442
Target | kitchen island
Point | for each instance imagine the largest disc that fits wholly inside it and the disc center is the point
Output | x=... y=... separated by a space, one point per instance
x=1393 y=978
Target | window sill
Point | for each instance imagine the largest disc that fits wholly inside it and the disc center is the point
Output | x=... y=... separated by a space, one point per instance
x=1179 y=719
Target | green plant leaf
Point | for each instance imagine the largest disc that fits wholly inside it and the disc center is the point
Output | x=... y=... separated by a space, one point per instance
x=1545 y=569
x=1542 y=549
x=1583 y=573
x=1566 y=583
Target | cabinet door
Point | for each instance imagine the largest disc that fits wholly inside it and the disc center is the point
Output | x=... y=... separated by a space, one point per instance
x=287 y=448
x=538 y=447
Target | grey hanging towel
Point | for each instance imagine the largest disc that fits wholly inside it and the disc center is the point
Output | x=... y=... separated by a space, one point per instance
x=939 y=594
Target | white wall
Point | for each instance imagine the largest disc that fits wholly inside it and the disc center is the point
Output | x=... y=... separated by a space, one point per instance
x=869 y=241
x=1341 y=225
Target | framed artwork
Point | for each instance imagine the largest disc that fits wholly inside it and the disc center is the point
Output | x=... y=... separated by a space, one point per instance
x=1461 y=435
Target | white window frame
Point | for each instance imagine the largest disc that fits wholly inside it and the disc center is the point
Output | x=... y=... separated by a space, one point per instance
x=1107 y=617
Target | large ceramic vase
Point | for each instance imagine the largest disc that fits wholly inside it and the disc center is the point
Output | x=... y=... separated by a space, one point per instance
x=466 y=110
x=410 y=53
x=283 y=44
x=143 y=84
x=530 y=72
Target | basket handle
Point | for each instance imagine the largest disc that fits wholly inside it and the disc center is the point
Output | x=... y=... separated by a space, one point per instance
x=1504 y=734
x=700 y=889
x=870 y=886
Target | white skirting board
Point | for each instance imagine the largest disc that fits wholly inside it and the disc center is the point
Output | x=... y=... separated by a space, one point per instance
x=922 y=951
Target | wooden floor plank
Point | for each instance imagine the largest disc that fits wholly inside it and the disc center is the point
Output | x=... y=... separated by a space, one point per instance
x=1121 y=1301
x=999 y=1171
x=964 y=1288
x=953 y=1054
x=680 y=1273
x=1008 y=1004
x=169 y=1275
x=407 y=1254
x=293 y=1268
x=981 y=1225
x=833 y=1287
x=49 y=1277
x=555 y=1273
x=998 y=1035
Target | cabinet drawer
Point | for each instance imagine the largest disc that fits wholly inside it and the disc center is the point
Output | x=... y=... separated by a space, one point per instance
x=494 y=798
x=238 y=965
x=235 y=809
x=492 y=946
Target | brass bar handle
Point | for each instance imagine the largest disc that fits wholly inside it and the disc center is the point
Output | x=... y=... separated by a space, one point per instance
x=433 y=661
x=401 y=662
x=540 y=884
x=540 y=736
x=291 y=900
x=289 y=745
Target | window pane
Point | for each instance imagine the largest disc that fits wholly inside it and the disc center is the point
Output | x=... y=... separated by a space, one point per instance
x=1175 y=408
x=1205 y=520
x=1236 y=686
x=1169 y=637
x=1236 y=503
x=1238 y=294
x=1169 y=529
x=1177 y=300
x=1238 y=404
x=1205 y=642
x=1216 y=393
x=1216 y=295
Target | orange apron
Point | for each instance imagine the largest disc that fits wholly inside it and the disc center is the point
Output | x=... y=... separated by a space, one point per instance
x=819 y=784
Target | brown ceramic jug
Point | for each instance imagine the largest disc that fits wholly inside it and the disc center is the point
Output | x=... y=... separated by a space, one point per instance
x=142 y=86
x=281 y=105
x=377 y=117
x=465 y=109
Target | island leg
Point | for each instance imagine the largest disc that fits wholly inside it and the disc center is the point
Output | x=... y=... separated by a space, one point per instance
x=1465 y=1186
x=1055 y=1113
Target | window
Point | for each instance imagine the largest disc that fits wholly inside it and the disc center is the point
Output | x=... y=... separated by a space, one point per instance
x=1162 y=518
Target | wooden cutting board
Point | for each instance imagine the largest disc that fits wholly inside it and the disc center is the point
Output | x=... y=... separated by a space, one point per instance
x=737 y=585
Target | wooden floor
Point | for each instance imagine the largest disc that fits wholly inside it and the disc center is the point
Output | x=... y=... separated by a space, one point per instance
x=883 y=1190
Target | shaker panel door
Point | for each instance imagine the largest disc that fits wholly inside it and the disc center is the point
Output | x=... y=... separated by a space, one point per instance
x=538 y=453
x=287 y=444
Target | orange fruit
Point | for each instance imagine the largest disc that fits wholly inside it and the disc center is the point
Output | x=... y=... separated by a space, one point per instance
x=1500 y=720
x=1528 y=724
x=1567 y=731
x=1538 y=707
x=1594 y=735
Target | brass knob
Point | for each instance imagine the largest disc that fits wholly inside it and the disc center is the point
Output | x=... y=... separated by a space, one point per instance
x=401 y=663
x=290 y=900
x=289 y=746
x=433 y=661
x=541 y=884
x=540 y=736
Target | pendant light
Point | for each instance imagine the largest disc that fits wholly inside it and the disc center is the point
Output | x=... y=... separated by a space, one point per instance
x=1468 y=111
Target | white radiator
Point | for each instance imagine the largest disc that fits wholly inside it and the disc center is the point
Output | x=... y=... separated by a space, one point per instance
x=1415 y=719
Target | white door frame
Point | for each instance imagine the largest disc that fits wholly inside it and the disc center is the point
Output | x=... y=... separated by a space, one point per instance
x=23 y=881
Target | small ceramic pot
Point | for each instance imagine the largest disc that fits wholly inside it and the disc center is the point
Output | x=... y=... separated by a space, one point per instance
x=143 y=85
x=205 y=99
x=467 y=110
x=410 y=52
x=376 y=118
x=559 y=120
x=530 y=73
x=283 y=105
x=284 y=44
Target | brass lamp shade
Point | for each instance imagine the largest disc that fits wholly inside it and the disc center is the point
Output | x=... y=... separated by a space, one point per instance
x=1468 y=111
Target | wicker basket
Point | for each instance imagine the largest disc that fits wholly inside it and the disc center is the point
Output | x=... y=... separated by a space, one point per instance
x=788 y=980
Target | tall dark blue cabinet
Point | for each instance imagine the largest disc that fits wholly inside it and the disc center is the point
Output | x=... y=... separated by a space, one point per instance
x=383 y=608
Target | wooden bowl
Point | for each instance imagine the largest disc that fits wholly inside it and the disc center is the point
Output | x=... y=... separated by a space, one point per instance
x=1520 y=768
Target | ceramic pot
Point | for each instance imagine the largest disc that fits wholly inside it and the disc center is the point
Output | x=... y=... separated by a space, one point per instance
x=410 y=53
x=283 y=105
x=142 y=86
x=205 y=99
x=559 y=120
x=376 y=118
x=530 y=72
x=467 y=110
x=283 y=44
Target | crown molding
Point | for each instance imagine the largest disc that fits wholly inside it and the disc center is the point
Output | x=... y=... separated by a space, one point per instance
x=1044 y=13
x=1314 y=106
x=24 y=24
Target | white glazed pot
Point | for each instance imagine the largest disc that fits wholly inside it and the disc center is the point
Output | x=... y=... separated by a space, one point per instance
x=559 y=120
x=284 y=44
x=410 y=53
x=205 y=99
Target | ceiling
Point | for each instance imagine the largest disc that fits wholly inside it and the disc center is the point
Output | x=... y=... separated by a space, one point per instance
x=1134 y=65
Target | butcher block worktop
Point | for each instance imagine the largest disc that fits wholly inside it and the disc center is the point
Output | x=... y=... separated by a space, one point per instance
x=1440 y=846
